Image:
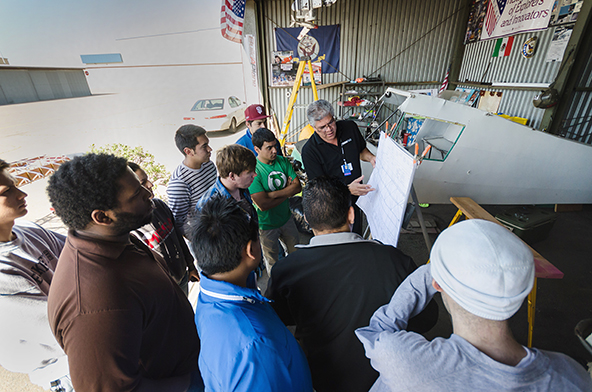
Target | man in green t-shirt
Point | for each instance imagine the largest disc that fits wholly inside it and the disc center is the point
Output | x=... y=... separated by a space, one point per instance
x=275 y=182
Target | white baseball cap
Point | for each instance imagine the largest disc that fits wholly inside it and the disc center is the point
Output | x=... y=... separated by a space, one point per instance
x=483 y=267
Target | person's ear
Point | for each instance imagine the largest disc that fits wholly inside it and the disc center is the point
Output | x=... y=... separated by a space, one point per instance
x=436 y=286
x=188 y=151
x=253 y=251
x=257 y=150
x=351 y=215
x=101 y=217
x=250 y=249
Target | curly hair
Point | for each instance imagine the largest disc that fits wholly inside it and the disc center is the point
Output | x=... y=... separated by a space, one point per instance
x=84 y=184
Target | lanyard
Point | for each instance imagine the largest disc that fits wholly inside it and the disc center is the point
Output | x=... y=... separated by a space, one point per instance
x=342 y=152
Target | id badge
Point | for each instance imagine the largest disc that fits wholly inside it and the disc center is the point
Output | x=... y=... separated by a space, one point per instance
x=347 y=168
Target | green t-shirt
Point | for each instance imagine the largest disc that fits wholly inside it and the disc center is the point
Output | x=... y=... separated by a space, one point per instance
x=273 y=178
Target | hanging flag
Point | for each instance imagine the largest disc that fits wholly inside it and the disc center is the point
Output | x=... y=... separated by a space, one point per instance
x=445 y=82
x=232 y=18
x=503 y=47
x=495 y=8
x=320 y=44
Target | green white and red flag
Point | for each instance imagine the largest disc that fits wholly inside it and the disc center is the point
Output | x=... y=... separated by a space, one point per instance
x=503 y=47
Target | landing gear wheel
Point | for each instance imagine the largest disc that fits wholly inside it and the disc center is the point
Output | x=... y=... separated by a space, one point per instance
x=233 y=128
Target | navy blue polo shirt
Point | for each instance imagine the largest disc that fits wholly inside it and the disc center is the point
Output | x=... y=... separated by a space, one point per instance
x=324 y=159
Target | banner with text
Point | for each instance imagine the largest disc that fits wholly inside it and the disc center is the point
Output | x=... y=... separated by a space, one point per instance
x=509 y=17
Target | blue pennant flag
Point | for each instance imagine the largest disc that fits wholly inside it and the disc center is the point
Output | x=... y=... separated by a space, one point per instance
x=321 y=44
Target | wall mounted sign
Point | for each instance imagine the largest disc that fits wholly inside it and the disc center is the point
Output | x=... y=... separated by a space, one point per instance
x=512 y=17
x=529 y=47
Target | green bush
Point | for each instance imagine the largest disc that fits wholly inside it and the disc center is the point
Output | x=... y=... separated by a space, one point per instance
x=156 y=172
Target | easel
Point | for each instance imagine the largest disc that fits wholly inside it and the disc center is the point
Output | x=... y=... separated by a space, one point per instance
x=406 y=216
x=422 y=224
x=543 y=268
x=303 y=62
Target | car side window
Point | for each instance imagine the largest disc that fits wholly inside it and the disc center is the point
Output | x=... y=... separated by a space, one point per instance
x=199 y=105
x=233 y=101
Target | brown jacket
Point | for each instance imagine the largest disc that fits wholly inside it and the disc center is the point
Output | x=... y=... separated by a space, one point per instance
x=119 y=316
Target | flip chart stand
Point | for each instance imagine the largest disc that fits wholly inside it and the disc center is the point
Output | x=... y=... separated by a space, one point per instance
x=424 y=231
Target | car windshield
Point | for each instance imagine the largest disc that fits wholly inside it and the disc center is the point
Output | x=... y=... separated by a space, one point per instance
x=208 y=104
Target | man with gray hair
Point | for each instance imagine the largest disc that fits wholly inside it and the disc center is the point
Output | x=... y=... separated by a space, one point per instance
x=484 y=272
x=335 y=149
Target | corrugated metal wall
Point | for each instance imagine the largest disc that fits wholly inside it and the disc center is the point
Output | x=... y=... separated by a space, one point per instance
x=478 y=66
x=29 y=85
x=405 y=41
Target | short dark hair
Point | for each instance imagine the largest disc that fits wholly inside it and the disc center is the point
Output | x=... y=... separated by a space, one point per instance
x=261 y=136
x=326 y=202
x=3 y=165
x=234 y=158
x=222 y=231
x=134 y=166
x=186 y=136
x=84 y=184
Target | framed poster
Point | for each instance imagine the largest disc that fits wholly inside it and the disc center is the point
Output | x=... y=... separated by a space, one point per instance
x=565 y=11
x=284 y=69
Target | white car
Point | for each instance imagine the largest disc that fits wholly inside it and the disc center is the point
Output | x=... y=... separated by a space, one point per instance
x=218 y=114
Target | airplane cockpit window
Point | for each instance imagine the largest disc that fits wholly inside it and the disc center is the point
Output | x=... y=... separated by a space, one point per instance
x=439 y=134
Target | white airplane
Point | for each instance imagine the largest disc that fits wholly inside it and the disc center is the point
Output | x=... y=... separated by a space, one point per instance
x=491 y=159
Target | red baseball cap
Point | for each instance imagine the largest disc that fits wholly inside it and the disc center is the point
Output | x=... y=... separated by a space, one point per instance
x=255 y=112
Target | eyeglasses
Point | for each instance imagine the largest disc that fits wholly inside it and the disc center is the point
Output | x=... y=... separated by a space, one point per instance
x=326 y=126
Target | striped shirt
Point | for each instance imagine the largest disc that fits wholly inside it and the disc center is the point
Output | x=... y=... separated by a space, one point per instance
x=185 y=188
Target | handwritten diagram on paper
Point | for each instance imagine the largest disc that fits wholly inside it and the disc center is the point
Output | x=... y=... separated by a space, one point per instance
x=392 y=178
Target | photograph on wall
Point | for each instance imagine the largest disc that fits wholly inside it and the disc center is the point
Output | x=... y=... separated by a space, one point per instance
x=508 y=18
x=490 y=101
x=565 y=11
x=283 y=68
x=316 y=69
x=558 y=44
x=468 y=96
x=476 y=17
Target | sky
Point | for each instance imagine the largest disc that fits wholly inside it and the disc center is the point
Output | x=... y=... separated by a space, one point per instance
x=145 y=32
x=162 y=44
x=57 y=32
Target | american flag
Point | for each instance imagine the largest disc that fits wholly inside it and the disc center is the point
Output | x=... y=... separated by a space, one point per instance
x=231 y=19
x=495 y=8
x=444 y=85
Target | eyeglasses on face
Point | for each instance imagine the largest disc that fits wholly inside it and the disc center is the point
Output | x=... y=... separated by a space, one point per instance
x=326 y=126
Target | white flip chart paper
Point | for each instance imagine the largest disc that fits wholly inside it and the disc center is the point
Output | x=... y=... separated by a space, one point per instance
x=392 y=179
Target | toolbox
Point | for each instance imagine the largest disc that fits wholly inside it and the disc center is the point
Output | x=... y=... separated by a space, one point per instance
x=530 y=223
